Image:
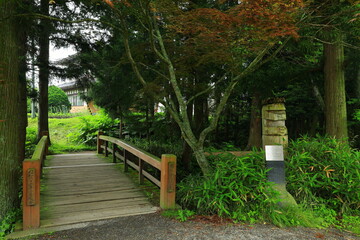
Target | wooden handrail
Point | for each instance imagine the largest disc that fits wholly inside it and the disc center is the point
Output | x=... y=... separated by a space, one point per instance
x=147 y=157
x=166 y=165
x=32 y=172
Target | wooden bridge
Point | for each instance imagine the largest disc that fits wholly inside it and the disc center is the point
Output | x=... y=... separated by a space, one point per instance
x=83 y=187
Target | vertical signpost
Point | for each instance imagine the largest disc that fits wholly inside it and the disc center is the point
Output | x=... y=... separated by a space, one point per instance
x=274 y=155
x=31 y=185
x=275 y=162
x=168 y=181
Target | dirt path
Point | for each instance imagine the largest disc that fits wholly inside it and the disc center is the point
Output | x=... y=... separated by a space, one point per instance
x=155 y=226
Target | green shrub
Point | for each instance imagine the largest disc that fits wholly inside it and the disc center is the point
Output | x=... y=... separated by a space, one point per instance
x=351 y=223
x=158 y=148
x=323 y=170
x=237 y=189
x=159 y=127
x=31 y=141
x=28 y=105
x=357 y=115
x=7 y=223
x=67 y=114
x=58 y=101
x=90 y=125
x=181 y=215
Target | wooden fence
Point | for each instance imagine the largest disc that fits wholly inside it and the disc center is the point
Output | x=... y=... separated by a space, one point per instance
x=32 y=172
x=166 y=165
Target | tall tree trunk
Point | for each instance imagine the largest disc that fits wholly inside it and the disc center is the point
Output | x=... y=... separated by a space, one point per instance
x=147 y=120
x=255 y=135
x=43 y=122
x=187 y=151
x=121 y=126
x=335 y=101
x=23 y=89
x=200 y=107
x=357 y=85
x=10 y=168
x=198 y=115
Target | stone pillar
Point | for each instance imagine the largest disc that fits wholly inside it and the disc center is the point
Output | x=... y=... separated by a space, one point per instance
x=273 y=123
x=275 y=141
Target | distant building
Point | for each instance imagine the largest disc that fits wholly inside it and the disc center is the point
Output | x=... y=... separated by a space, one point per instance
x=77 y=104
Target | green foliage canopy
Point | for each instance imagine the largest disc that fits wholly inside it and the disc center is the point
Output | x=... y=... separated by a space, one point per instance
x=58 y=101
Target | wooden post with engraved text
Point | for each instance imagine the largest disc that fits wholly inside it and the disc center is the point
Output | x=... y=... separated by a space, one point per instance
x=168 y=181
x=31 y=194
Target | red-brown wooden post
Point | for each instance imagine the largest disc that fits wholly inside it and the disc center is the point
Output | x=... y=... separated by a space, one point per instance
x=99 y=143
x=168 y=181
x=126 y=167
x=141 y=175
x=31 y=194
x=106 y=148
x=114 y=152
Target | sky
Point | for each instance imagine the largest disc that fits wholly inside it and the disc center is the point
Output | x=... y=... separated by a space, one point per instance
x=58 y=54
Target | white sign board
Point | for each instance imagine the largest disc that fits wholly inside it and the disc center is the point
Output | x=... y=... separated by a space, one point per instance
x=274 y=153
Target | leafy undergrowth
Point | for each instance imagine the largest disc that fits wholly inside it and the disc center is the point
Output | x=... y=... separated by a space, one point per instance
x=88 y=126
x=60 y=129
x=325 y=173
x=239 y=190
x=7 y=224
x=322 y=175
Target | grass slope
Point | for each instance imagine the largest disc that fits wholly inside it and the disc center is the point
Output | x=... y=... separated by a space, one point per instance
x=59 y=129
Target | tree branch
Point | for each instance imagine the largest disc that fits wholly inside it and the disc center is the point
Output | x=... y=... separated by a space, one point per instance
x=219 y=109
x=154 y=70
x=41 y=16
x=207 y=89
x=152 y=22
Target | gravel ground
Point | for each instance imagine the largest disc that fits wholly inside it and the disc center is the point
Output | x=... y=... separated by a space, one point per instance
x=155 y=226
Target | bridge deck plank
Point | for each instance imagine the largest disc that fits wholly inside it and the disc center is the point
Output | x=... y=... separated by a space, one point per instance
x=80 y=188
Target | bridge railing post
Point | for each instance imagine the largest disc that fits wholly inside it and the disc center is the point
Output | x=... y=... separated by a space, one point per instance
x=114 y=152
x=31 y=194
x=106 y=148
x=99 y=142
x=126 y=166
x=168 y=181
x=141 y=168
